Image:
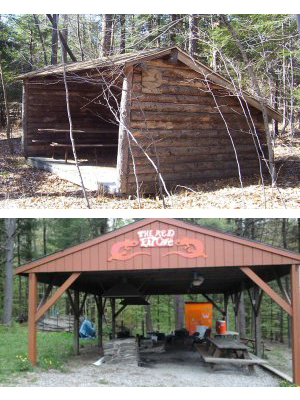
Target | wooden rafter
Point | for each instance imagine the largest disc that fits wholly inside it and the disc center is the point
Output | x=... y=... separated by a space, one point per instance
x=267 y=289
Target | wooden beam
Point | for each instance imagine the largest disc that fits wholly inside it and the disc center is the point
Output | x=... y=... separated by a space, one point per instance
x=32 y=302
x=120 y=310
x=295 y=286
x=213 y=303
x=267 y=289
x=124 y=126
x=257 y=297
x=76 y=323
x=99 y=304
x=60 y=291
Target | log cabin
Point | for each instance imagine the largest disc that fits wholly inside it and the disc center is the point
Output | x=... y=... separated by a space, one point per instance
x=150 y=113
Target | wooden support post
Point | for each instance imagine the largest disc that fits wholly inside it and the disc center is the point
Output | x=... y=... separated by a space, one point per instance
x=256 y=314
x=113 y=318
x=76 y=322
x=124 y=126
x=99 y=304
x=295 y=285
x=32 y=303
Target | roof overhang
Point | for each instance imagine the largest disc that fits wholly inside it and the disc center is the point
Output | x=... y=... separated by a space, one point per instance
x=128 y=59
x=161 y=256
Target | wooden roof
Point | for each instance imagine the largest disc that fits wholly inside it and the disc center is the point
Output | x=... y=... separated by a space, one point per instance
x=143 y=56
x=160 y=256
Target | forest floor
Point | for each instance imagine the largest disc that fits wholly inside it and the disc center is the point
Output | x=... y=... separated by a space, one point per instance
x=24 y=187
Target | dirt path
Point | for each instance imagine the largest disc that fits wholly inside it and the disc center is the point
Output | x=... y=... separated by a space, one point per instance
x=175 y=368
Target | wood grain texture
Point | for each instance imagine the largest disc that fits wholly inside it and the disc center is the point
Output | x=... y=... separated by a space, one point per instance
x=295 y=286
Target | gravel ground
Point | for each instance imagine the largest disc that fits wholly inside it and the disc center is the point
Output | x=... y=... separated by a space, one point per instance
x=176 y=368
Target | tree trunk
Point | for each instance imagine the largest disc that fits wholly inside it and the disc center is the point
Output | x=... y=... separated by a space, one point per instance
x=10 y=230
x=42 y=40
x=122 y=33
x=258 y=95
x=193 y=22
x=172 y=30
x=65 y=33
x=54 y=39
x=105 y=49
x=8 y=124
x=241 y=318
x=179 y=311
x=149 y=325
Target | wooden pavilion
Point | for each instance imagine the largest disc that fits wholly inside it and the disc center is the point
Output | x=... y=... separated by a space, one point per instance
x=161 y=256
x=148 y=112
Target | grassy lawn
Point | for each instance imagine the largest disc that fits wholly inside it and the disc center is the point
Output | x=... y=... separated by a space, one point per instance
x=53 y=350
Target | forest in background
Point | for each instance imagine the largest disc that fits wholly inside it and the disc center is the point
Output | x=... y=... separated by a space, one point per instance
x=25 y=239
x=269 y=42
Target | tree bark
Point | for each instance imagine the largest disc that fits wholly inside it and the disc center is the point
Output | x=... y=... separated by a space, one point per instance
x=122 y=33
x=10 y=230
x=65 y=33
x=8 y=124
x=179 y=311
x=193 y=22
x=54 y=39
x=105 y=49
x=42 y=40
x=149 y=325
x=258 y=95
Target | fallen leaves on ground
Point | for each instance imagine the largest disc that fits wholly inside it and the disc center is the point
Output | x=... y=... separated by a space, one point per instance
x=24 y=187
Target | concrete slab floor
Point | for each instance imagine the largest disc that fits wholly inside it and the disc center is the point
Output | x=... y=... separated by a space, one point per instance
x=94 y=177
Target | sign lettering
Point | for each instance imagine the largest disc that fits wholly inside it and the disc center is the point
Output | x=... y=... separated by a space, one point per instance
x=156 y=238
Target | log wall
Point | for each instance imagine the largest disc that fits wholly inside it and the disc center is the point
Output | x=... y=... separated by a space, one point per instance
x=174 y=117
x=46 y=108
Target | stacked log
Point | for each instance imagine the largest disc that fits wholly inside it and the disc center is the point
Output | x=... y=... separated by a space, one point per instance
x=175 y=119
x=56 y=324
x=121 y=351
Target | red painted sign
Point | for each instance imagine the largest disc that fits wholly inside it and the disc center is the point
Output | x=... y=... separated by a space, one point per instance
x=189 y=248
x=184 y=246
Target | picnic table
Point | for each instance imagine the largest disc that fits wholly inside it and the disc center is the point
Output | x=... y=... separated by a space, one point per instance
x=221 y=350
x=66 y=144
x=228 y=335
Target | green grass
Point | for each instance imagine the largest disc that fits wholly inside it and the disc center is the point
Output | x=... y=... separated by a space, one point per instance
x=53 y=350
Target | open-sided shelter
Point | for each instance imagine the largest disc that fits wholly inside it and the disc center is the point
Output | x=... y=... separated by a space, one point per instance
x=161 y=256
x=155 y=111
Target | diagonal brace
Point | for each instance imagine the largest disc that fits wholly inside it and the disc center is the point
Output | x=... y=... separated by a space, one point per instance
x=267 y=289
x=60 y=291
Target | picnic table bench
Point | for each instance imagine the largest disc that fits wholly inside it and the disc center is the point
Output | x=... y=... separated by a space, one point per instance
x=220 y=350
x=66 y=144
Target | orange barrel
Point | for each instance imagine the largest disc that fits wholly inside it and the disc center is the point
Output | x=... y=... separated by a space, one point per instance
x=221 y=327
